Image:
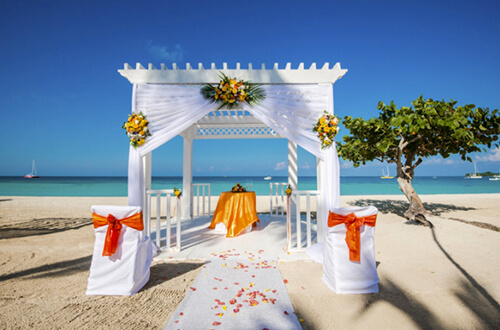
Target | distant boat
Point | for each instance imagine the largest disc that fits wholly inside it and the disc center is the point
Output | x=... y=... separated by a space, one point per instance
x=495 y=178
x=475 y=175
x=33 y=174
x=268 y=178
x=386 y=176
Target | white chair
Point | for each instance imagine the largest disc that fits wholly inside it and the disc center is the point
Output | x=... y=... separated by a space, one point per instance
x=341 y=274
x=126 y=271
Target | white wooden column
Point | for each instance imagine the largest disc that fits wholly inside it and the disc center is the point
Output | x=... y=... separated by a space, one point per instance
x=187 y=176
x=147 y=172
x=320 y=217
x=293 y=179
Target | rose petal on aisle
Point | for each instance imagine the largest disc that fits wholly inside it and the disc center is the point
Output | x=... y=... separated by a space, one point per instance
x=258 y=293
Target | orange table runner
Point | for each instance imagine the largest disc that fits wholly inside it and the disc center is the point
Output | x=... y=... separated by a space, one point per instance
x=236 y=210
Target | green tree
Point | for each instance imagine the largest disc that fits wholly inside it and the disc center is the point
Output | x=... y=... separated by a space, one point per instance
x=407 y=135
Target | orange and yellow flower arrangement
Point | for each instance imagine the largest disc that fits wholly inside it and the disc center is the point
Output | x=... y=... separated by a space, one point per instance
x=229 y=93
x=327 y=127
x=238 y=188
x=137 y=129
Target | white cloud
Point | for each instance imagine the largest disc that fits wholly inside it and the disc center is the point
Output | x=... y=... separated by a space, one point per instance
x=346 y=165
x=171 y=54
x=280 y=166
x=492 y=156
x=306 y=166
x=440 y=161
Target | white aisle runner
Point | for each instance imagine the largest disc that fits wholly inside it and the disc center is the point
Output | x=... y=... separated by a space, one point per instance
x=236 y=293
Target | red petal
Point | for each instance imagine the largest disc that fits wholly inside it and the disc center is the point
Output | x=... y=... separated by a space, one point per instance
x=194 y=289
x=216 y=323
x=286 y=281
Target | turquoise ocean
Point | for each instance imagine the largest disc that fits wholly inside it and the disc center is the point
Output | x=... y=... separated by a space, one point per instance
x=117 y=186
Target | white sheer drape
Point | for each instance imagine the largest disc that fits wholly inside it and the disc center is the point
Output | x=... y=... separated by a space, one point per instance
x=290 y=110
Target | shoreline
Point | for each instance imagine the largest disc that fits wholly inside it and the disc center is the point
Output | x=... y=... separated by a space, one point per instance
x=444 y=277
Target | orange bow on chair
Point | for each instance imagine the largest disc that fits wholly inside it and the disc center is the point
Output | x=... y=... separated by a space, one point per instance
x=114 y=229
x=352 y=236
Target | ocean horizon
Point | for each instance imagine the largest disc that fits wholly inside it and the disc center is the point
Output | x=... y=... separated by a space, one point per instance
x=349 y=185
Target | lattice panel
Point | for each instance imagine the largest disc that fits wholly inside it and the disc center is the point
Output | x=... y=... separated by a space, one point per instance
x=235 y=132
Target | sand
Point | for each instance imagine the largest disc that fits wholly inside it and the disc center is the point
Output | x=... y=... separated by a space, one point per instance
x=445 y=277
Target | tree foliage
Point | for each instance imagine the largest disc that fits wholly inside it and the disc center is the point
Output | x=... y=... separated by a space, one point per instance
x=407 y=135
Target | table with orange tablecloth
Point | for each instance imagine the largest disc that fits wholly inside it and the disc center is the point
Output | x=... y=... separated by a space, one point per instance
x=237 y=211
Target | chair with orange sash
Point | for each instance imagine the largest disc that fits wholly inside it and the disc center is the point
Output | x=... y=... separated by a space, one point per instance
x=349 y=251
x=122 y=254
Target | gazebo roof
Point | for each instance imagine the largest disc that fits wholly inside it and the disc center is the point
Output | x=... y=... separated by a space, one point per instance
x=226 y=124
x=287 y=75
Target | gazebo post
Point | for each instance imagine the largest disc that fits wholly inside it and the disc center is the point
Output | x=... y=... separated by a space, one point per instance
x=187 y=176
x=292 y=173
x=319 y=199
x=147 y=161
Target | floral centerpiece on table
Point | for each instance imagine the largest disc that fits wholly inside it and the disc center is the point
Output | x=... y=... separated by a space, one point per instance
x=238 y=188
x=327 y=127
x=229 y=93
x=137 y=129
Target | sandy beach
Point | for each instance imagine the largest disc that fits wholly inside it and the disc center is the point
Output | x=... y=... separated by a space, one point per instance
x=441 y=278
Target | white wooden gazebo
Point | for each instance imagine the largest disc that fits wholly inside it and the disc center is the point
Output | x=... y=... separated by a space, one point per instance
x=171 y=100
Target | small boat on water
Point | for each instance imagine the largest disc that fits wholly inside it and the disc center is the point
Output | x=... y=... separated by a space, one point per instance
x=386 y=176
x=268 y=177
x=495 y=178
x=475 y=175
x=33 y=174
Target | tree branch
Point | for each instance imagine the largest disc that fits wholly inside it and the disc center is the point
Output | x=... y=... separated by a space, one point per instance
x=418 y=162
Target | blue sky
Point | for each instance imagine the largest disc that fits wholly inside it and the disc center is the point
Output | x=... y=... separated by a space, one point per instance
x=63 y=102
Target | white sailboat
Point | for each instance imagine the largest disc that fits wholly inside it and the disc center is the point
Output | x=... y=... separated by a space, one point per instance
x=496 y=177
x=475 y=175
x=386 y=176
x=33 y=174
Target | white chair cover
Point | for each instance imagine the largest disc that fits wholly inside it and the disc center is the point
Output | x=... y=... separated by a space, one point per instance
x=127 y=270
x=341 y=274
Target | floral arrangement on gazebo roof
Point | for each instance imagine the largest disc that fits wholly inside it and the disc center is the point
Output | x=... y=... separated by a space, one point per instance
x=229 y=93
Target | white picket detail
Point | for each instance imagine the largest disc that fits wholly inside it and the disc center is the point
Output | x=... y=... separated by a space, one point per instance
x=168 y=193
x=205 y=199
x=298 y=227
x=278 y=194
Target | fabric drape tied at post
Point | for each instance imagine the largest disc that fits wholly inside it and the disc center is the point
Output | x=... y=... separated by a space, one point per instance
x=114 y=229
x=352 y=236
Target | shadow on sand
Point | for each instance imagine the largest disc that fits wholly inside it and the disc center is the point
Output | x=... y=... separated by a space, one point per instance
x=57 y=269
x=399 y=207
x=166 y=271
x=42 y=227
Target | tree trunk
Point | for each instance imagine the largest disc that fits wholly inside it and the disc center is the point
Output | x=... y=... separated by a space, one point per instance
x=416 y=211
